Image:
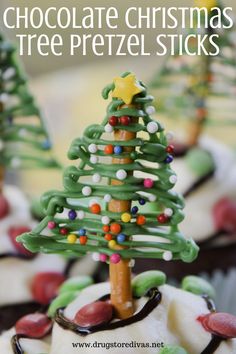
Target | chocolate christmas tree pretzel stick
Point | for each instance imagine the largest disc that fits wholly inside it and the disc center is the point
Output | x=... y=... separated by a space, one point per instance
x=120 y=274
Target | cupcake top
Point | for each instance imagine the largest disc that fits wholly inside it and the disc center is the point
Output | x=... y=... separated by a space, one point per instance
x=177 y=320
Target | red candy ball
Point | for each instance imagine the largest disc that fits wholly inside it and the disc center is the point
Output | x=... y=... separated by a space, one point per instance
x=94 y=314
x=162 y=218
x=108 y=237
x=106 y=228
x=35 y=325
x=13 y=232
x=64 y=231
x=170 y=149
x=45 y=286
x=113 y=121
x=125 y=120
x=108 y=150
x=221 y=324
x=224 y=214
x=115 y=228
x=95 y=208
x=4 y=207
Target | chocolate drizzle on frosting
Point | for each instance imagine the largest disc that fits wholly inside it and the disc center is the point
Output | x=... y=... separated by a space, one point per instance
x=213 y=345
x=210 y=303
x=18 y=255
x=15 y=343
x=153 y=301
x=198 y=183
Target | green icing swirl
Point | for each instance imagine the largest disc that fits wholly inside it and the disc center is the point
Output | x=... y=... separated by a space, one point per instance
x=173 y=350
x=149 y=158
x=25 y=143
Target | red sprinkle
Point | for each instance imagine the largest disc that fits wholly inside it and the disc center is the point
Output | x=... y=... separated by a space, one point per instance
x=13 y=232
x=125 y=120
x=162 y=218
x=35 y=325
x=170 y=149
x=113 y=121
x=221 y=324
x=94 y=314
x=45 y=286
x=64 y=231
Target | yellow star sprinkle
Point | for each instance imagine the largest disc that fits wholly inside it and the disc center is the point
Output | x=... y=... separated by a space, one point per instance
x=205 y=3
x=126 y=88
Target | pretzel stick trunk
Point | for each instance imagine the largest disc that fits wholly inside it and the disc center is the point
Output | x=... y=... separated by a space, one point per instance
x=2 y=169
x=120 y=274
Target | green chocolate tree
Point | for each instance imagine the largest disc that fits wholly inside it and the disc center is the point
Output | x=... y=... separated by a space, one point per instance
x=200 y=88
x=24 y=141
x=123 y=164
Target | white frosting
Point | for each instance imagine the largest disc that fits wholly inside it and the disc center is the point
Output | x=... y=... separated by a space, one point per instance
x=198 y=223
x=30 y=346
x=173 y=321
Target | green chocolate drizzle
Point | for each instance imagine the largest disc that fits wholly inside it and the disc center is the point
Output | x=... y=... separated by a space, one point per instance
x=149 y=158
x=24 y=138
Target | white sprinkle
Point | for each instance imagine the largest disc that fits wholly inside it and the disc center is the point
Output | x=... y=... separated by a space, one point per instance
x=80 y=214
x=131 y=263
x=4 y=97
x=96 y=178
x=92 y=148
x=93 y=159
x=152 y=198
x=96 y=257
x=86 y=191
x=107 y=198
x=22 y=133
x=1 y=145
x=167 y=256
x=152 y=127
x=15 y=162
x=106 y=220
x=173 y=179
x=168 y=212
x=8 y=73
x=170 y=136
x=150 y=110
x=108 y=128
x=121 y=174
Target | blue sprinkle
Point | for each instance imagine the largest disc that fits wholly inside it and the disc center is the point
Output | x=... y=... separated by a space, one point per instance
x=72 y=214
x=121 y=238
x=46 y=145
x=169 y=159
x=118 y=150
x=142 y=201
x=82 y=232
x=134 y=210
